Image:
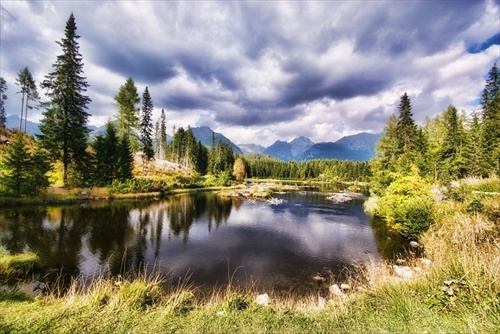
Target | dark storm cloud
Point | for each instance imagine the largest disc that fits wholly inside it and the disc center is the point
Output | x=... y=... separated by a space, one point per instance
x=140 y=65
x=203 y=67
x=265 y=65
x=418 y=27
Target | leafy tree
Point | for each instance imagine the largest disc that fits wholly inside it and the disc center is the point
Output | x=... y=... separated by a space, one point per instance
x=128 y=112
x=63 y=128
x=407 y=206
x=28 y=91
x=490 y=102
x=147 y=126
x=239 y=169
x=3 y=98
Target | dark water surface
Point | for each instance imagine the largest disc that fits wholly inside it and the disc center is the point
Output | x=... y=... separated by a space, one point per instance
x=201 y=235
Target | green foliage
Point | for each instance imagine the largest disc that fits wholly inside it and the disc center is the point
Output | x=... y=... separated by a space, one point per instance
x=128 y=112
x=138 y=185
x=475 y=205
x=63 y=128
x=490 y=102
x=147 y=126
x=407 y=206
x=259 y=166
x=24 y=173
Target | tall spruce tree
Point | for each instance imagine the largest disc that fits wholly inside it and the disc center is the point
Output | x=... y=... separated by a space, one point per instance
x=406 y=127
x=477 y=166
x=454 y=155
x=490 y=102
x=128 y=112
x=3 y=98
x=163 y=135
x=63 y=128
x=125 y=160
x=147 y=126
x=106 y=149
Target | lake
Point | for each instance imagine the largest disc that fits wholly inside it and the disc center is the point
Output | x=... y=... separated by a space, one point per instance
x=201 y=237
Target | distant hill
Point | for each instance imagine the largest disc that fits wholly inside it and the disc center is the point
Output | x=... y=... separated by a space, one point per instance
x=204 y=134
x=361 y=141
x=335 y=151
x=251 y=148
x=300 y=145
x=12 y=123
x=281 y=150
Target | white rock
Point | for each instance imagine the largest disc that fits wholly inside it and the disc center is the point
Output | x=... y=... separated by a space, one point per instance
x=425 y=262
x=344 y=286
x=414 y=244
x=404 y=272
x=335 y=290
x=321 y=302
x=262 y=299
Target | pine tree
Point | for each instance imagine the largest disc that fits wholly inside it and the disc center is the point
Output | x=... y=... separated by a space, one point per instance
x=17 y=167
x=106 y=156
x=147 y=126
x=128 y=112
x=385 y=162
x=28 y=93
x=125 y=162
x=490 y=102
x=453 y=152
x=3 y=98
x=163 y=135
x=63 y=128
x=476 y=161
x=406 y=127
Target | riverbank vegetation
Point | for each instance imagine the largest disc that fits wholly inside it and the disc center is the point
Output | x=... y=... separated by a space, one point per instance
x=456 y=290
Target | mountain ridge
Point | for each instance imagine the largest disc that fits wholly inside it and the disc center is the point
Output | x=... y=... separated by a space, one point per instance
x=358 y=147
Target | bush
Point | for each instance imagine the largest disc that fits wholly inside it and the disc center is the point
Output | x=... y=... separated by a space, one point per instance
x=475 y=205
x=407 y=206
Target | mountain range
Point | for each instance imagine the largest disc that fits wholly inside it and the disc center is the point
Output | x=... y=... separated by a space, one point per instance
x=358 y=147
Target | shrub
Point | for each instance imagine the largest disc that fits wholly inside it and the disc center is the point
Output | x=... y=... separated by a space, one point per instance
x=407 y=206
x=475 y=205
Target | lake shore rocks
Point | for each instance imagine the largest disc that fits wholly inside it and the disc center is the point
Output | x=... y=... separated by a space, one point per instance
x=344 y=196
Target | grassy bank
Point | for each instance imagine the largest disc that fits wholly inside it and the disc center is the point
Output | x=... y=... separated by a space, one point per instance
x=458 y=292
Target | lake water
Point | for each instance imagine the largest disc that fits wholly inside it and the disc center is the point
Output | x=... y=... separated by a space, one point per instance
x=201 y=236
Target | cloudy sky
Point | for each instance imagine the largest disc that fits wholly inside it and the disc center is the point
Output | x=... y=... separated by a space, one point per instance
x=259 y=71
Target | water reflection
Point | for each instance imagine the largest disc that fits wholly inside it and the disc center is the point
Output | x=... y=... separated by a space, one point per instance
x=211 y=238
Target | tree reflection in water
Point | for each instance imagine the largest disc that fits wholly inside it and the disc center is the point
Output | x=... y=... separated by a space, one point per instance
x=200 y=233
